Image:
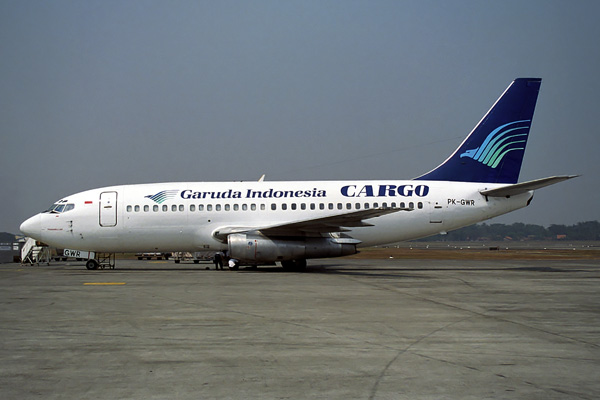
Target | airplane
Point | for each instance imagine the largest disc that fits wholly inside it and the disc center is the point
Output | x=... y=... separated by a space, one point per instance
x=262 y=222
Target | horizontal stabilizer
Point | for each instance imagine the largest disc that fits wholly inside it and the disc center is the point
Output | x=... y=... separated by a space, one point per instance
x=523 y=187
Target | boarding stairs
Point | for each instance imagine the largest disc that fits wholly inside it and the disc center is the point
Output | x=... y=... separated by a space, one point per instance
x=35 y=253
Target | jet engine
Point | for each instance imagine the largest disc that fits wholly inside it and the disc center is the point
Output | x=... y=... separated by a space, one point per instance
x=255 y=248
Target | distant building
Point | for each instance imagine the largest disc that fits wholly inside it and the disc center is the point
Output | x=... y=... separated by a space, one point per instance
x=10 y=248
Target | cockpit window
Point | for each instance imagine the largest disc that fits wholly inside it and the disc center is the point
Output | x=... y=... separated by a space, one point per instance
x=60 y=208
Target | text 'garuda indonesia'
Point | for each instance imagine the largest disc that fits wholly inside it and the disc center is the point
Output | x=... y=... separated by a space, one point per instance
x=347 y=191
x=253 y=194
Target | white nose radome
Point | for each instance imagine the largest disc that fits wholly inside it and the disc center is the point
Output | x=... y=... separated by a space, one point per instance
x=32 y=227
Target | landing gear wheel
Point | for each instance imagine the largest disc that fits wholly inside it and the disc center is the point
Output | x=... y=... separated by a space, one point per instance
x=91 y=264
x=294 y=265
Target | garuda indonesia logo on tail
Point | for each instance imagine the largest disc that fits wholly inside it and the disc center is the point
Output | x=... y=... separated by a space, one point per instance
x=163 y=196
x=499 y=142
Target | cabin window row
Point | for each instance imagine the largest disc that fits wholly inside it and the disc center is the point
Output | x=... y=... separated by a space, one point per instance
x=342 y=206
x=274 y=206
x=200 y=207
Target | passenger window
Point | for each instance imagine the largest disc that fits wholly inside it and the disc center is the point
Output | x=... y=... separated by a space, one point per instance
x=357 y=206
x=321 y=206
x=340 y=206
x=402 y=205
x=209 y=207
x=137 y=208
x=393 y=205
x=200 y=207
x=192 y=207
x=173 y=207
x=263 y=207
x=384 y=205
x=303 y=206
x=366 y=206
x=348 y=206
x=273 y=206
x=253 y=207
x=331 y=206
x=293 y=206
x=375 y=205
x=227 y=207
x=312 y=206
x=420 y=205
x=181 y=207
x=155 y=208
x=218 y=207
x=236 y=207
x=129 y=209
x=284 y=206
x=146 y=208
x=411 y=205
x=165 y=208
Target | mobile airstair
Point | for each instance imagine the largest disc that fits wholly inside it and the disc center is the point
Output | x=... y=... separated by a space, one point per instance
x=35 y=253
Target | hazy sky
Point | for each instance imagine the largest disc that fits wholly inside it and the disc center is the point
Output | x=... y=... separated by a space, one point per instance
x=96 y=93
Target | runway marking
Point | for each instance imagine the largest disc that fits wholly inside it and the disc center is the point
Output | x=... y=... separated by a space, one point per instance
x=104 y=283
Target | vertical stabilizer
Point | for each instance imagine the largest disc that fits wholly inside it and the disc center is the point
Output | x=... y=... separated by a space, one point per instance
x=493 y=151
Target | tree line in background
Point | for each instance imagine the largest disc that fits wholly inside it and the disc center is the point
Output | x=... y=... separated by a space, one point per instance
x=519 y=231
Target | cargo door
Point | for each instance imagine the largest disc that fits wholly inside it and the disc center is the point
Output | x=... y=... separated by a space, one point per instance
x=108 y=209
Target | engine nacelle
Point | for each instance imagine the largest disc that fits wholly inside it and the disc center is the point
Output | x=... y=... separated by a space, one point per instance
x=257 y=248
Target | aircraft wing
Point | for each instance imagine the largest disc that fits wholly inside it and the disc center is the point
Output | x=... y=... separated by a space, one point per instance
x=333 y=223
x=518 y=188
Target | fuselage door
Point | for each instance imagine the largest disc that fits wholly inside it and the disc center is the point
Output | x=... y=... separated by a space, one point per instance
x=108 y=209
x=436 y=213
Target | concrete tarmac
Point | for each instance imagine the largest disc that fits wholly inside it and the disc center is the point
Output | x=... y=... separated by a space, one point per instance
x=345 y=329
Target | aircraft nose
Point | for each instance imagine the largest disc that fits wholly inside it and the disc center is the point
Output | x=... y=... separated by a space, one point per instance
x=32 y=227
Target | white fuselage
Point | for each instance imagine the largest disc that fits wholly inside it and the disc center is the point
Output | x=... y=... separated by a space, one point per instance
x=183 y=216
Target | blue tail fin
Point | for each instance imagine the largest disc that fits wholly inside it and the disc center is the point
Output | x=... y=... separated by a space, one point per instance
x=493 y=151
